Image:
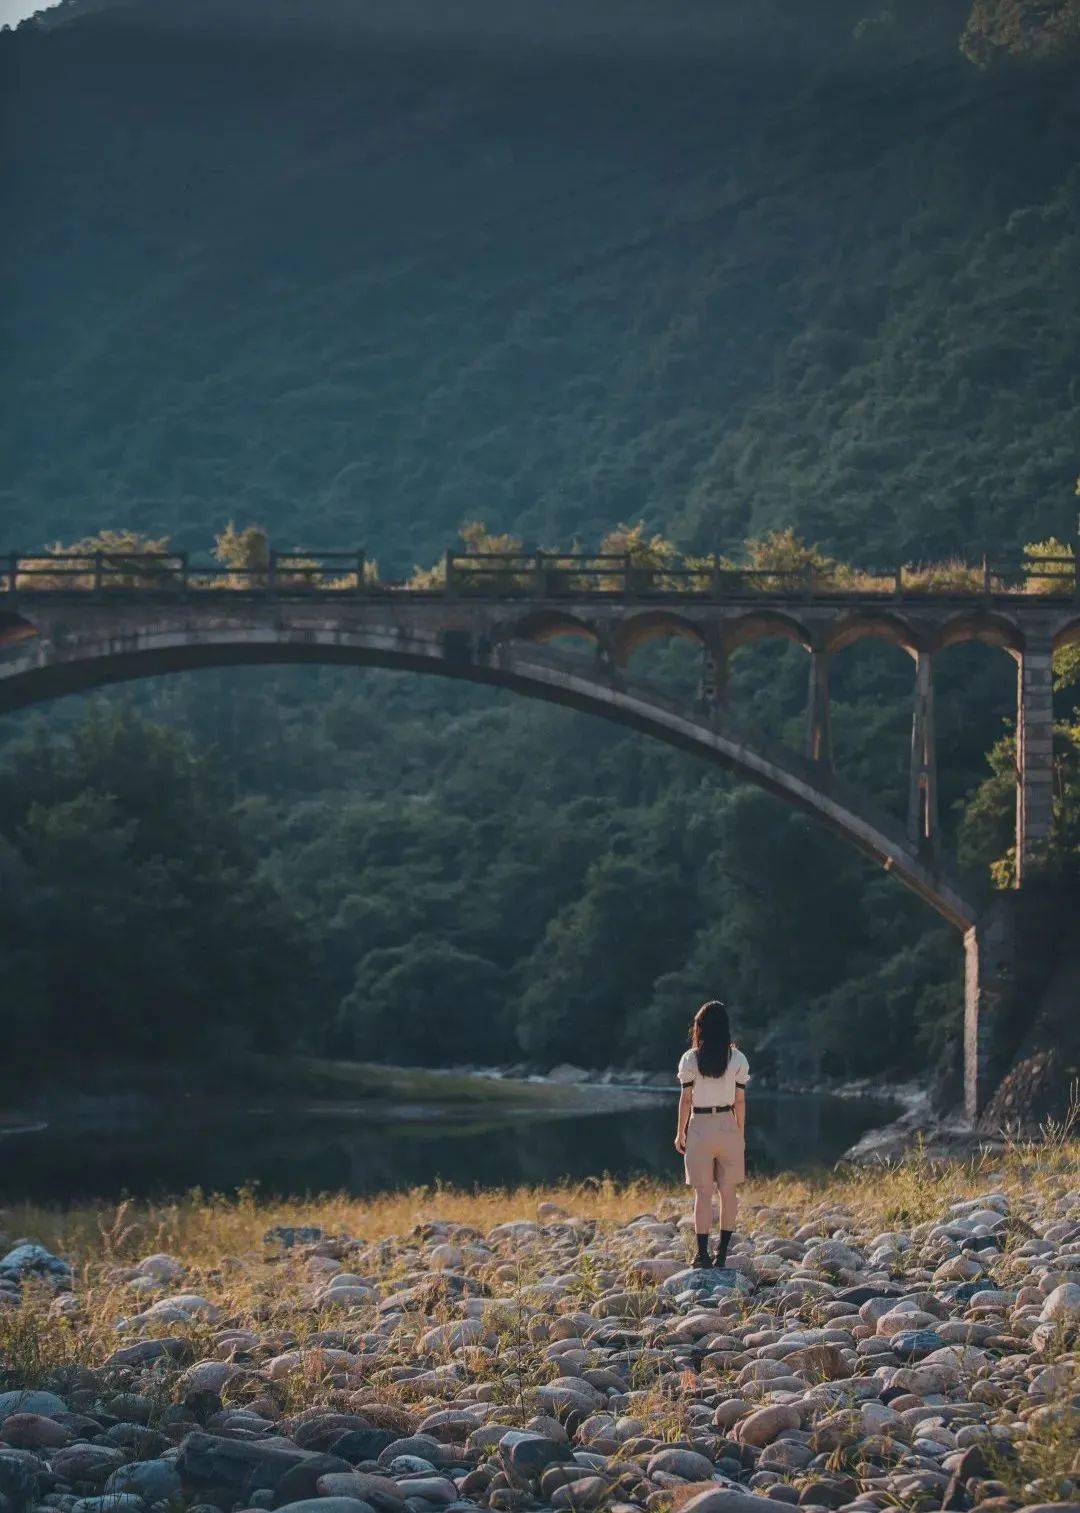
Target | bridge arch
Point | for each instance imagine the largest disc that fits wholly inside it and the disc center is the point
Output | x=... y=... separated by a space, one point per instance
x=760 y=623
x=547 y=625
x=43 y=668
x=883 y=625
x=653 y=625
x=981 y=625
x=15 y=628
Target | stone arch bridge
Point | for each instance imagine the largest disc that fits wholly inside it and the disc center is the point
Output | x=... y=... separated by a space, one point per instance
x=72 y=624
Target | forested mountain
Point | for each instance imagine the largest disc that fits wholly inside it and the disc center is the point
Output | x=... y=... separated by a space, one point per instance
x=359 y=271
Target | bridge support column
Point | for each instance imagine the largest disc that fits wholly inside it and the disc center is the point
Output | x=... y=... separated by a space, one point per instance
x=713 y=688
x=818 y=723
x=922 y=794
x=990 y=969
x=1034 y=754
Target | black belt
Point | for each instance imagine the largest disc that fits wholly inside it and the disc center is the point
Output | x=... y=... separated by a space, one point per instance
x=717 y=1108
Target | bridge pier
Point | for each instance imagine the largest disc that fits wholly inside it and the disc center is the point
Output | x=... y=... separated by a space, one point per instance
x=818 y=721
x=1034 y=753
x=713 y=688
x=990 y=981
x=922 y=794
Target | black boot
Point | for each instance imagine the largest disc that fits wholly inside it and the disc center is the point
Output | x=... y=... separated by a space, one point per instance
x=720 y=1258
x=703 y=1251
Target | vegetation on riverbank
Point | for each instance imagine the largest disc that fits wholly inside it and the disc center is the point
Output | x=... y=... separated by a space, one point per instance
x=201 y=1226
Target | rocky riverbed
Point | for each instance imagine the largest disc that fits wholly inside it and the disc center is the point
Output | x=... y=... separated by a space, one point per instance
x=559 y=1359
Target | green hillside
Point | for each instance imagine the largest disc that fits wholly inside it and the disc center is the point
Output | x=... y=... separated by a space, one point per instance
x=361 y=271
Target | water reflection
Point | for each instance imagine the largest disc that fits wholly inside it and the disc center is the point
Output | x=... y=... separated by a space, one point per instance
x=292 y=1152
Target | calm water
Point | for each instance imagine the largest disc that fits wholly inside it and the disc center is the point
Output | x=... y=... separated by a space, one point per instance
x=290 y=1151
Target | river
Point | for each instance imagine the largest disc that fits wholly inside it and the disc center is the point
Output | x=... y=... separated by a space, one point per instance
x=290 y=1150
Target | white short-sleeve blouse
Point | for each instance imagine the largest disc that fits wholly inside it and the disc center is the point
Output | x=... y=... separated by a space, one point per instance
x=712 y=1091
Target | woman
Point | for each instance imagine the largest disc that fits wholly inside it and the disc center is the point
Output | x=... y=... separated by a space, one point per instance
x=712 y=1124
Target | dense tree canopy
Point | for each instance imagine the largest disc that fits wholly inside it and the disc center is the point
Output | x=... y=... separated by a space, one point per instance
x=758 y=279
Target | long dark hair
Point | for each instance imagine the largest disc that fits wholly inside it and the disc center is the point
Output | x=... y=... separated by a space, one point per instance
x=710 y=1038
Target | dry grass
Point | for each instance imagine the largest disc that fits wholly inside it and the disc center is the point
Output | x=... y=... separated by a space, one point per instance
x=202 y=1227
x=220 y=1240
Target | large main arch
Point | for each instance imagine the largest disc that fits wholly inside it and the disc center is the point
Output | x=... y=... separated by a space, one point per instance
x=44 y=657
x=34 y=669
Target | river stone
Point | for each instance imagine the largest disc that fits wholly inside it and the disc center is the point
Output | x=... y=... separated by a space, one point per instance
x=21 y=1475
x=30 y=1401
x=153 y=1480
x=209 y=1376
x=247 y=1465
x=865 y=1293
x=723 y=1500
x=568 y=1392
x=318 y=1431
x=327 y=1505
x=111 y=1502
x=180 y=1309
x=833 y=1256
x=687 y=1464
x=423 y=1447
x=33 y=1260
x=1062 y=1303
x=766 y=1423
x=451 y=1336
x=363 y=1444
x=160 y=1267
x=382 y=1492
x=34 y=1431
x=89 y=1463
x=914 y=1344
x=145 y=1352
x=346 y=1296
x=432 y=1489
x=705 y=1281
x=785 y=1455
x=525 y=1456
x=585 y=1493
x=288 y=1235
x=924 y=1379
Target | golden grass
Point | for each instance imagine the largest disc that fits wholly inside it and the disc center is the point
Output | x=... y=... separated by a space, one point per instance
x=202 y=1227
x=220 y=1241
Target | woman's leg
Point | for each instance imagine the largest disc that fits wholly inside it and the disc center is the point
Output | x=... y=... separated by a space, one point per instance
x=703 y=1221
x=729 y=1213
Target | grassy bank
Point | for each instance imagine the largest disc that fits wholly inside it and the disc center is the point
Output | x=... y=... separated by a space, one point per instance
x=75 y=1093
x=202 y=1227
x=442 y=1306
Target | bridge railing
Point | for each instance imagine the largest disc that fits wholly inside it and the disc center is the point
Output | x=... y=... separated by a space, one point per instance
x=540 y=575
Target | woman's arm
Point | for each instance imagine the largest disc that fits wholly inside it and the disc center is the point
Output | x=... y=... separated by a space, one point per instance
x=686 y=1104
x=740 y=1109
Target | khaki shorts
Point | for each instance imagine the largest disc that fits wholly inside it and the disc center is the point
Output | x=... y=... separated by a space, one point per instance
x=715 y=1151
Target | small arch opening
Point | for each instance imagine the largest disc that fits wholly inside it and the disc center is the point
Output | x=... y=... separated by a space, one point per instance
x=983 y=626
x=764 y=625
x=15 y=628
x=641 y=630
x=766 y=684
x=975 y=706
x=871 y=684
x=876 y=625
x=665 y=652
x=552 y=627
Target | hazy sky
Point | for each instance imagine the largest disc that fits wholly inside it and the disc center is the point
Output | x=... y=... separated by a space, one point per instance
x=14 y=11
